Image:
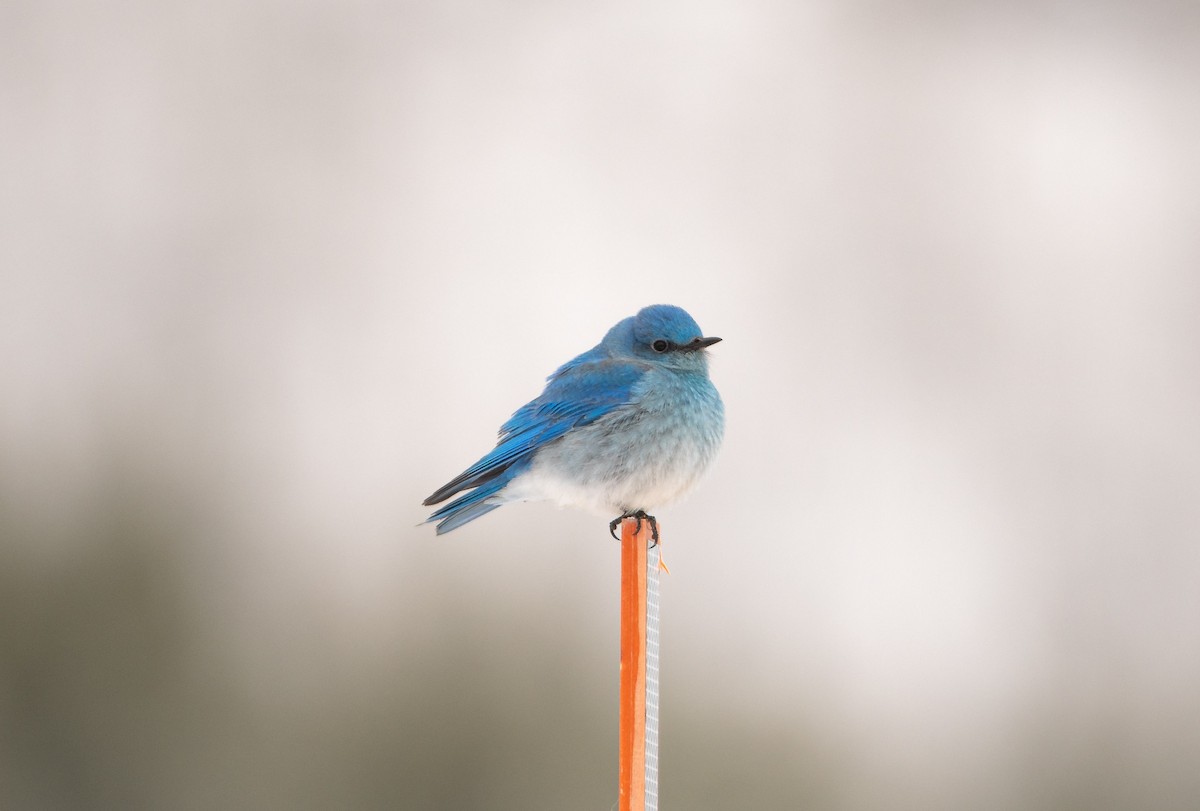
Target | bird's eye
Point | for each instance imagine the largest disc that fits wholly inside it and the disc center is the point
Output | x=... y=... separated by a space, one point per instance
x=659 y=346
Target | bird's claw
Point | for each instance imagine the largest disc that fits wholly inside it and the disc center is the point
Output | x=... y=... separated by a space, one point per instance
x=640 y=515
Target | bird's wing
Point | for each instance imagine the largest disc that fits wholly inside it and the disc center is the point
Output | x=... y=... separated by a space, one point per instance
x=580 y=392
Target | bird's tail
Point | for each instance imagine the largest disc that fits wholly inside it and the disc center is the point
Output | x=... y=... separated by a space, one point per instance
x=463 y=509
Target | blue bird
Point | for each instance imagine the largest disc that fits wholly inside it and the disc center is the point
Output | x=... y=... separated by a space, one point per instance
x=629 y=425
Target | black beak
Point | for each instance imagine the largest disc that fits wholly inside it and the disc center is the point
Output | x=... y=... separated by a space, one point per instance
x=700 y=343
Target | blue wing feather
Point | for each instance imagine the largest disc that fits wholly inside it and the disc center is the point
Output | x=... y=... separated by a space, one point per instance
x=580 y=392
x=470 y=506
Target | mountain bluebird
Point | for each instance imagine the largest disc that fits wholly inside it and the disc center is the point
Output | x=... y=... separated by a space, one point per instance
x=629 y=425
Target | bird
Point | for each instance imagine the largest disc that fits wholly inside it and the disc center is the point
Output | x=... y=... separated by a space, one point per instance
x=628 y=426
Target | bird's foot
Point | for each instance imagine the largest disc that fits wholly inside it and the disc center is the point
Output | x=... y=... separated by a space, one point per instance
x=612 y=526
x=640 y=515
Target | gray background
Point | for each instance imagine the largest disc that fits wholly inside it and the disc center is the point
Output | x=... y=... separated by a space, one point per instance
x=272 y=272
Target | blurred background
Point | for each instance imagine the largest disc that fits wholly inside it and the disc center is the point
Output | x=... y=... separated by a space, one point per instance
x=272 y=272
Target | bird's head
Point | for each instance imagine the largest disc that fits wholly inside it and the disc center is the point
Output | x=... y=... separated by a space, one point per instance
x=664 y=335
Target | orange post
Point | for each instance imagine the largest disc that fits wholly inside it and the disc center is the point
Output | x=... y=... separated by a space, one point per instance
x=632 y=727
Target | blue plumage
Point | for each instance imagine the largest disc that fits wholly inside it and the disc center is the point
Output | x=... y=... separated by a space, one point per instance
x=628 y=425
